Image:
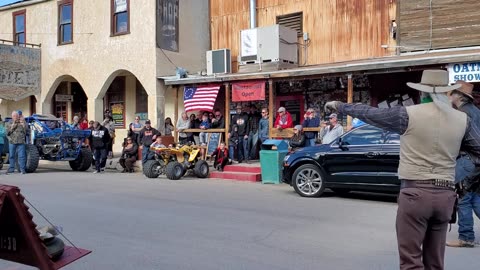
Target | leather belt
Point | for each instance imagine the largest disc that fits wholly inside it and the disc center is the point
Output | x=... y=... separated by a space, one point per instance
x=432 y=183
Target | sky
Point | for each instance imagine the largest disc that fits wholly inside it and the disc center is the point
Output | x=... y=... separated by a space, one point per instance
x=5 y=2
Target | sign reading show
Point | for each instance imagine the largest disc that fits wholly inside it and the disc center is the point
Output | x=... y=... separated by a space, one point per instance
x=469 y=72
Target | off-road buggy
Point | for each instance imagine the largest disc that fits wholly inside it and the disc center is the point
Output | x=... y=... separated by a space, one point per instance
x=175 y=162
x=51 y=138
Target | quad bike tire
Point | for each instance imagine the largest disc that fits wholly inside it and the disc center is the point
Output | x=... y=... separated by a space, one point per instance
x=150 y=169
x=33 y=158
x=201 y=169
x=83 y=161
x=174 y=170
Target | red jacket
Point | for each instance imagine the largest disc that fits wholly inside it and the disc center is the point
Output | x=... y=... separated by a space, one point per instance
x=288 y=124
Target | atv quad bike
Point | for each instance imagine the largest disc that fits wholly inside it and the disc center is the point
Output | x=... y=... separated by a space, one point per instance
x=175 y=162
x=51 y=138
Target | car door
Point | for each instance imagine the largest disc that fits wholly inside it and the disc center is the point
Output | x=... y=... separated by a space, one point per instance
x=355 y=157
x=390 y=157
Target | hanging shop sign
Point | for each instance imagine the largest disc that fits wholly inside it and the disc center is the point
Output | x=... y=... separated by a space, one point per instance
x=67 y=98
x=469 y=72
x=248 y=91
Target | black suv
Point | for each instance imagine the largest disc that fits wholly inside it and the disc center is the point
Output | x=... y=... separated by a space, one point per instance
x=363 y=159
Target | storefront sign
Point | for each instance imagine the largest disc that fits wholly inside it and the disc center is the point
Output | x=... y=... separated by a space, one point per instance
x=19 y=72
x=118 y=114
x=167 y=26
x=469 y=72
x=67 y=98
x=248 y=91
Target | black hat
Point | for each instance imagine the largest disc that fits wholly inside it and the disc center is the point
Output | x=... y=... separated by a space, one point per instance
x=148 y=122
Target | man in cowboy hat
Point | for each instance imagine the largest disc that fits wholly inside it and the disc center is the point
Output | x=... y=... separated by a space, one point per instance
x=427 y=165
x=462 y=99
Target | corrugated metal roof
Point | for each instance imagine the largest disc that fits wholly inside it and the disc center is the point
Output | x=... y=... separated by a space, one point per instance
x=379 y=64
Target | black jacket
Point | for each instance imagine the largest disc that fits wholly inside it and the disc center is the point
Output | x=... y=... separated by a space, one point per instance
x=146 y=135
x=132 y=152
x=297 y=140
x=100 y=138
x=220 y=123
x=241 y=121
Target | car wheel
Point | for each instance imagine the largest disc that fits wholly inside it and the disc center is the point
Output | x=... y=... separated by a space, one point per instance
x=341 y=191
x=308 y=181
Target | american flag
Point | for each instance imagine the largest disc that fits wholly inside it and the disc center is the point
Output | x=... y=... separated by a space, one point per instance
x=201 y=98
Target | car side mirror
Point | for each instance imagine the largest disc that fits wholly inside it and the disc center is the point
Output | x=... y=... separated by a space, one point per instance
x=341 y=144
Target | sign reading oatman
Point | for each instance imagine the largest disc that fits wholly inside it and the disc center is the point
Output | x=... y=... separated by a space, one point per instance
x=19 y=72
x=469 y=72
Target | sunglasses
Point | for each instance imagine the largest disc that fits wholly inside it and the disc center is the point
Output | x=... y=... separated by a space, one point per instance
x=218 y=115
x=264 y=112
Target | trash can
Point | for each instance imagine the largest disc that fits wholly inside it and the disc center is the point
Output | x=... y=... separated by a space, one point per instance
x=272 y=154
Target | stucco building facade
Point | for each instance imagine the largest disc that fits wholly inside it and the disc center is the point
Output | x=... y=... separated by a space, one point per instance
x=106 y=54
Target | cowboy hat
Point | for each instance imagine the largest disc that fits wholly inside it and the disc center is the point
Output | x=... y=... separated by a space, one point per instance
x=466 y=88
x=434 y=81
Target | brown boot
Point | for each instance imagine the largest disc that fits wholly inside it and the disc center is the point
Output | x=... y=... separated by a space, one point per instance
x=460 y=243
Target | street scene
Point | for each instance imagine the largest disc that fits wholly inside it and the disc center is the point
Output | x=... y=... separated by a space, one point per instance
x=242 y=134
x=138 y=223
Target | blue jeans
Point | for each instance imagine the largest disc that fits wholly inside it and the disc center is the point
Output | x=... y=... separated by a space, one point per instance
x=252 y=145
x=468 y=204
x=145 y=151
x=100 y=158
x=19 y=151
x=310 y=142
x=242 y=151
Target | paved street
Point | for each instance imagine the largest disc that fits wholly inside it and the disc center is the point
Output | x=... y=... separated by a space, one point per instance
x=131 y=222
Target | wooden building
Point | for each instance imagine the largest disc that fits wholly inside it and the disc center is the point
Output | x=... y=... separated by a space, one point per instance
x=350 y=50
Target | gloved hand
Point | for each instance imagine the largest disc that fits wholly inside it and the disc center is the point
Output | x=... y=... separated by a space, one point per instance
x=332 y=106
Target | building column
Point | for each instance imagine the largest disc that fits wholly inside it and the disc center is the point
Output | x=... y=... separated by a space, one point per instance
x=156 y=106
x=44 y=107
x=95 y=109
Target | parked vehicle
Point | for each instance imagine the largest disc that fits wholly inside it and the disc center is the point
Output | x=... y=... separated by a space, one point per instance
x=51 y=138
x=364 y=159
x=175 y=162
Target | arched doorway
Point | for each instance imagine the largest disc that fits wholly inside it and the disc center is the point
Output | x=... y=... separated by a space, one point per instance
x=125 y=98
x=69 y=99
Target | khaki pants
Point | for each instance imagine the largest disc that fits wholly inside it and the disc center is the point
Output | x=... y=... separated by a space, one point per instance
x=422 y=222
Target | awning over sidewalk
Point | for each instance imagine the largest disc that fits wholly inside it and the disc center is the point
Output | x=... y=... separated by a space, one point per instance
x=385 y=64
x=19 y=72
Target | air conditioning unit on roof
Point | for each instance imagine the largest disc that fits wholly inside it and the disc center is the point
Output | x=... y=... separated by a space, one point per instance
x=275 y=43
x=219 y=62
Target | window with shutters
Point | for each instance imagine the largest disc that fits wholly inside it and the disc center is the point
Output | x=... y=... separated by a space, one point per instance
x=293 y=21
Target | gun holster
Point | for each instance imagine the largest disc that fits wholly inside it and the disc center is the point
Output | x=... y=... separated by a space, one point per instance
x=453 y=218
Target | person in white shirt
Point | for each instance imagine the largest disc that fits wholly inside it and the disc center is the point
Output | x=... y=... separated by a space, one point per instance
x=330 y=130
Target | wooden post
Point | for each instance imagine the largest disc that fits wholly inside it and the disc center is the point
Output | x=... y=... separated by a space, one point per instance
x=227 y=112
x=175 y=113
x=270 y=108
x=349 y=98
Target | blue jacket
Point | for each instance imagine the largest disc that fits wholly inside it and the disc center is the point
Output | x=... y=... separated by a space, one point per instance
x=206 y=124
x=314 y=122
x=263 y=128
